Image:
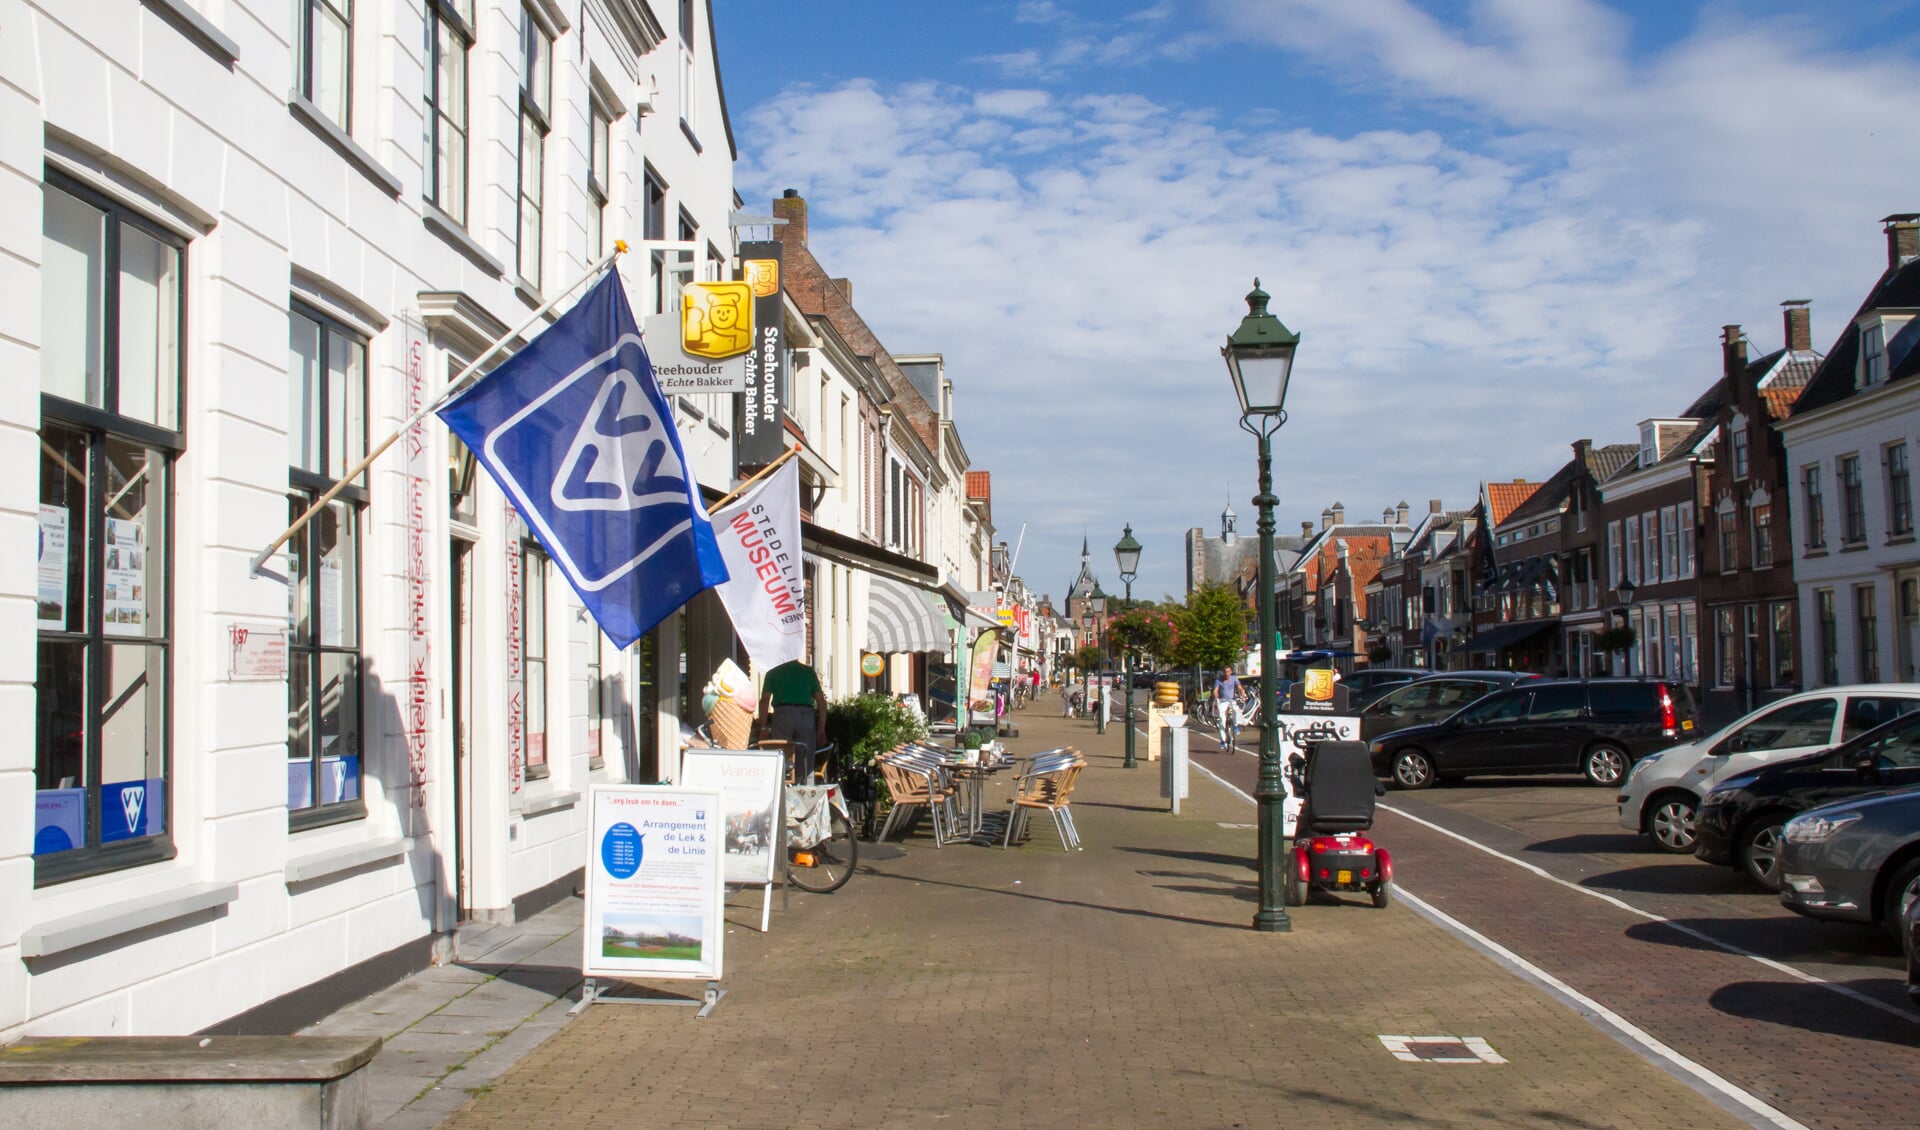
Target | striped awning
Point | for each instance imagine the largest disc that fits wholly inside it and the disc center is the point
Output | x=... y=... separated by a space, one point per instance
x=901 y=617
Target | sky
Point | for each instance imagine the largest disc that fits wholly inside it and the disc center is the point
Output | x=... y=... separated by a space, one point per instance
x=1498 y=226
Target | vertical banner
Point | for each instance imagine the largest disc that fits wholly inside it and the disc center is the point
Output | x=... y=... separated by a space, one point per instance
x=758 y=432
x=516 y=660
x=765 y=595
x=419 y=472
x=980 y=669
x=655 y=892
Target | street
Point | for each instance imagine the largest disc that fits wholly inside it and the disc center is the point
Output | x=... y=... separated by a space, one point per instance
x=1810 y=1017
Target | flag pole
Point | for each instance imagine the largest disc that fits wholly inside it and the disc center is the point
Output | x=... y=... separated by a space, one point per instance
x=461 y=379
x=762 y=473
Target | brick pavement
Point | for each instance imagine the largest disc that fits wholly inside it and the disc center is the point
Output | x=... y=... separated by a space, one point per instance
x=1118 y=986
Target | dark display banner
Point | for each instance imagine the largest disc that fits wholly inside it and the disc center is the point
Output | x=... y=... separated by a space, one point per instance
x=759 y=436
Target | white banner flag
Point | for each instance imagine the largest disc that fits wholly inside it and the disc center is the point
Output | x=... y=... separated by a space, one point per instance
x=759 y=535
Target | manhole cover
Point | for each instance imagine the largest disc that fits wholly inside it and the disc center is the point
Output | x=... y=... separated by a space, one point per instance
x=1441 y=1049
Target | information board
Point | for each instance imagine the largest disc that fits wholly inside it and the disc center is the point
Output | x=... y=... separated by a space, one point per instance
x=748 y=781
x=654 y=884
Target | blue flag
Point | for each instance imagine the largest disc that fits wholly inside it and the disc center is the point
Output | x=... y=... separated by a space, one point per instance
x=577 y=433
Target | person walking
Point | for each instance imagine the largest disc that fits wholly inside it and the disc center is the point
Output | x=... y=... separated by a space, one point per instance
x=793 y=709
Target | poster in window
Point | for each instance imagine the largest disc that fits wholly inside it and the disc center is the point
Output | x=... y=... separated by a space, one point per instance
x=331 y=580
x=52 y=576
x=124 y=603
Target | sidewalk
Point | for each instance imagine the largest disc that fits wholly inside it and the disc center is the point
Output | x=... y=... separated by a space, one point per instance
x=1031 y=987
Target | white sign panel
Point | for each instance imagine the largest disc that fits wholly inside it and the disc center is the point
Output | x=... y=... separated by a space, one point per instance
x=654 y=889
x=748 y=781
x=256 y=652
x=52 y=568
x=1297 y=731
x=680 y=372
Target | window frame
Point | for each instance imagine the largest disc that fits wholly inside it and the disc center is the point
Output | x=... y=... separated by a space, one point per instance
x=1826 y=618
x=1815 y=506
x=304 y=486
x=599 y=176
x=536 y=113
x=535 y=562
x=309 y=13
x=1866 y=635
x=1899 y=490
x=1873 y=353
x=1853 y=500
x=448 y=13
x=101 y=425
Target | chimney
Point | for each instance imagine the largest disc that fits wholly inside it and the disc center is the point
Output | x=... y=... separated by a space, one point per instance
x=1733 y=350
x=791 y=207
x=1434 y=506
x=1326 y=518
x=1400 y=512
x=1799 y=324
x=1903 y=238
x=1386 y=516
x=1306 y=529
x=846 y=289
x=1339 y=514
x=1583 y=452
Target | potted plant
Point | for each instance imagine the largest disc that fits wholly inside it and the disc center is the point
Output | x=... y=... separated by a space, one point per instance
x=1614 y=639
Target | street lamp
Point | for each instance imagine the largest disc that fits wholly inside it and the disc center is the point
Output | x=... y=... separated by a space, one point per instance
x=1260 y=359
x=1106 y=707
x=1126 y=552
x=1086 y=676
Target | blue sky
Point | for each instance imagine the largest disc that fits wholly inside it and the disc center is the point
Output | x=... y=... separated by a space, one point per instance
x=1499 y=225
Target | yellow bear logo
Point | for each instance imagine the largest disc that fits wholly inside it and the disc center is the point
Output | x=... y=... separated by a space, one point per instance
x=763 y=275
x=716 y=319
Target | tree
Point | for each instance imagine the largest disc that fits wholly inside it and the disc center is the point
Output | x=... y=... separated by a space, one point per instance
x=1144 y=629
x=1088 y=658
x=1212 y=628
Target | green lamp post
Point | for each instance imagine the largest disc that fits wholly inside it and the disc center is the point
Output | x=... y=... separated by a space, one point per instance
x=1260 y=359
x=1126 y=553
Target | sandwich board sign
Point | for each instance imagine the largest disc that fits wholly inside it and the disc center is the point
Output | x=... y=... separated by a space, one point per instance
x=749 y=782
x=655 y=890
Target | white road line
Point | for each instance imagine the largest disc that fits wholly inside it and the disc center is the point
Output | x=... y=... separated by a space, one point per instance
x=1727 y=947
x=1619 y=1023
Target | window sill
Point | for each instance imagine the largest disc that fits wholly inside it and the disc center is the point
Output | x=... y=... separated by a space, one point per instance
x=549 y=802
x=321 y=864
x=1814 y=551
x=199 y=29
x=76 y=930
x=691 y=140
x=1900 y=539
x=447 y=228
x=343 y=144
x=528 y=293
x=1853 y=547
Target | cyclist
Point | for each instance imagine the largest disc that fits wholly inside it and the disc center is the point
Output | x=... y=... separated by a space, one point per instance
x=1226 y=699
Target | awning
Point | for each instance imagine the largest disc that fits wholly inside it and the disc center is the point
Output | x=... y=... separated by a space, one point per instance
x=902 y=617
x=1501 y=636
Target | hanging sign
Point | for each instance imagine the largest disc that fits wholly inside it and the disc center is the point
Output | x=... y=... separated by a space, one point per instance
x=703 y=346
x=654 y=885
x=759 y=433
x=871 y=665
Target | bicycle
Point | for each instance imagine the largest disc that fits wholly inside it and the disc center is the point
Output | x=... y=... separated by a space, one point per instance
x=822 y=849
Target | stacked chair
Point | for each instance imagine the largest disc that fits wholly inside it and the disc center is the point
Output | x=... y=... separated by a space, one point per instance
x=1045 y=783
x=917 y=777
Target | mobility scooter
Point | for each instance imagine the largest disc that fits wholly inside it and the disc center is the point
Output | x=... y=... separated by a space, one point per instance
x=1330 y=849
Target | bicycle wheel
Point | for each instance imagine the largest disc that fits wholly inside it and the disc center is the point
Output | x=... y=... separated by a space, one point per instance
x=827 y=865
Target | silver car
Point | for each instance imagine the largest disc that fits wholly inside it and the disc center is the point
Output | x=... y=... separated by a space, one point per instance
x=1854 y=859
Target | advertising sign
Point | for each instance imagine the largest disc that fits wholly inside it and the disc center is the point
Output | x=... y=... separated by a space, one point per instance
x=654 y=888
x=759 y=433
x=980 y=671
x=871 y=665
x=748 y=781
x=1297 y=731
x=703 y=347
x=51 y=572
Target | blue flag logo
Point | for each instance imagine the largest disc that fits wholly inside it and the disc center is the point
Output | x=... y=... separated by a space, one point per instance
x=575 y=430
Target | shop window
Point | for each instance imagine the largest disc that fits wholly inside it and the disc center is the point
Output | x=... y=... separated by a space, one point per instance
x=327 y=370
x=534 y=653
x=111 y=370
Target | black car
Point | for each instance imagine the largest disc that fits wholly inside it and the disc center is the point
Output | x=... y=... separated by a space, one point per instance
x=1853 y=860
x=1430 y=699
x=1369 y=683
x=1740 y=822
x=1598 y=727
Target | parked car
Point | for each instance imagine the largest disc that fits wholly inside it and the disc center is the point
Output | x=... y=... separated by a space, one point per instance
x=1741 y=821
x=1369 y=683
x=1598 y=727
x=1662 y=794
x=1853 y=860
x=1910 y=939
x=1430 y=699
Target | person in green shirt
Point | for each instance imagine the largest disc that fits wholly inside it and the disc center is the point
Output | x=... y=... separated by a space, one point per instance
x=793 y=709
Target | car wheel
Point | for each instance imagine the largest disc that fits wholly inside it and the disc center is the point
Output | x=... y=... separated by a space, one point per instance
x=1412 y=769
x=1901 y=892
x=1669 y=823
x=1760 y=851
x=1606 y=765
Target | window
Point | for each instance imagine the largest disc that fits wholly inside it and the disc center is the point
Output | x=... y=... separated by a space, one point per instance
x=1508 y=707
x=1853 y=499
x=1873 y=354
x=1763 y=536
x=1729 y=550
x=1899 y=492
x=1633 y=548
x=596 y=695
x=536 y=109
x=111 y=366
x=1906 y=610
x=1558 y=703
x=1784 y=655
x=689 y=232
x=687 y=93
x=449 y=34
x=653 y=228
x=326 y=434
x=1866 y=712
x=1622 y=698
x=1690 y=643
x=326 y=58
x=1727 y=641
x=1808 y=723
x=1613 y=555
x=1816 y=509
x=1866 y=635
x=1829 y=641
x=1649 y=641
x=1899 y=749
x=533 y=663
x=1669 y=543
x=599 y=176
x=1739 y=448
x=1684 y=520
x=1651 y=570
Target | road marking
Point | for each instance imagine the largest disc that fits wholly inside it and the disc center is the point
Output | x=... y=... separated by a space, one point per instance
x=1441 y=1049
x=1777 y=966
x=1619 y=1023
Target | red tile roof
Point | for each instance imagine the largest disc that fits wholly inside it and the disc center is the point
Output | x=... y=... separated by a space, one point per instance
x=980 y=485
x=1780 y=400
x=1502 y=498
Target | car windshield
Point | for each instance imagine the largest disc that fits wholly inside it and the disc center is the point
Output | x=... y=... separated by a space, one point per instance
x=1895 y=745
x=1494 y=708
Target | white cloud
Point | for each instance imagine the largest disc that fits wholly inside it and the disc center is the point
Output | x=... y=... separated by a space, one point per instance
x=1468 y=308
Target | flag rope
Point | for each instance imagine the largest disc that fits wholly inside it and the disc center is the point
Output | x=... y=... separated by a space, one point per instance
x=454 y=387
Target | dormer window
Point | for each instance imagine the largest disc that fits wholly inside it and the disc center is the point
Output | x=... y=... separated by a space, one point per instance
x=1738 y=436
x=1649 y=443
x=1873 y=354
